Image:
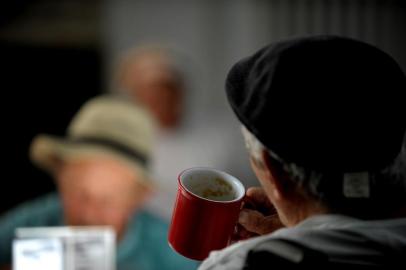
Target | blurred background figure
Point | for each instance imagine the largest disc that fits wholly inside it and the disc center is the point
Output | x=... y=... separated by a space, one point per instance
x=148 y=76
x=101 y=174
x=187 y=136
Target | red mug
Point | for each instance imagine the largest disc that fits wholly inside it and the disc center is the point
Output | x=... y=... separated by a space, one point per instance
x=205 y=213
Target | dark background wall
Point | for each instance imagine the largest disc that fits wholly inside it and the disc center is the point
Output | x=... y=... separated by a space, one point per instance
x=50 y=64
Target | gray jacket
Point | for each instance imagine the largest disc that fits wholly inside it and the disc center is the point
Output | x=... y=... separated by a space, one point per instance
x=343 y=239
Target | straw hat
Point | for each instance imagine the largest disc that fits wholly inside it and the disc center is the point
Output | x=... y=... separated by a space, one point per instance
x=104 y=126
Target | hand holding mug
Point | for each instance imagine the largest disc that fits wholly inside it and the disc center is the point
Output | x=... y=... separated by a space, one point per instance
x=258 y=216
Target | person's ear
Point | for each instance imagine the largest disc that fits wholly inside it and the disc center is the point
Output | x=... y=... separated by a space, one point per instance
x=276 y=176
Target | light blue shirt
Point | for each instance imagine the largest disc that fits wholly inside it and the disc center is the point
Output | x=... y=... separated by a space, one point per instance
x=144 y=245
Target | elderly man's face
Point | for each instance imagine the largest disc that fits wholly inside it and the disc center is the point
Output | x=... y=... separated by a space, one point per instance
x=99 y=192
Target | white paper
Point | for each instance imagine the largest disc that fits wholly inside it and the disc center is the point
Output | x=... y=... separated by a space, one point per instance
x=34 y=254
x=84 y=248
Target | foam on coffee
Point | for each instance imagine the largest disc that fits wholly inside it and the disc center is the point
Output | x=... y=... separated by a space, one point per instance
x=212 y=184
x=216 y=189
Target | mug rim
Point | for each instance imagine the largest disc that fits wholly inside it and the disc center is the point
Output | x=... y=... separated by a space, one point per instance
x=235 y=179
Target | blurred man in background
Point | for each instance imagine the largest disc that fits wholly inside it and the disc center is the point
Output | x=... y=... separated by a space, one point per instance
x=149 y=76
x=154 y=77
x=101 y=172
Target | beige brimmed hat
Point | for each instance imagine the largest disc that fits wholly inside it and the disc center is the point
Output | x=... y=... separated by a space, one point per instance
x=105 y=126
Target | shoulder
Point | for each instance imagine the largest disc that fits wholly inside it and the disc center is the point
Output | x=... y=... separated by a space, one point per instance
x=260 y=251
x=44 y=203
x=149 y=229
x=43 y=211
x=151 y=222
x=153 y=231
x=232 y=257
x=35 y=212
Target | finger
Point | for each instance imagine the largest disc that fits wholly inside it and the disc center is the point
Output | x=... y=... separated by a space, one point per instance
x=254 y=222
x=258 y=195
x=245 y=234
x=256 y=199
x=242 y=234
